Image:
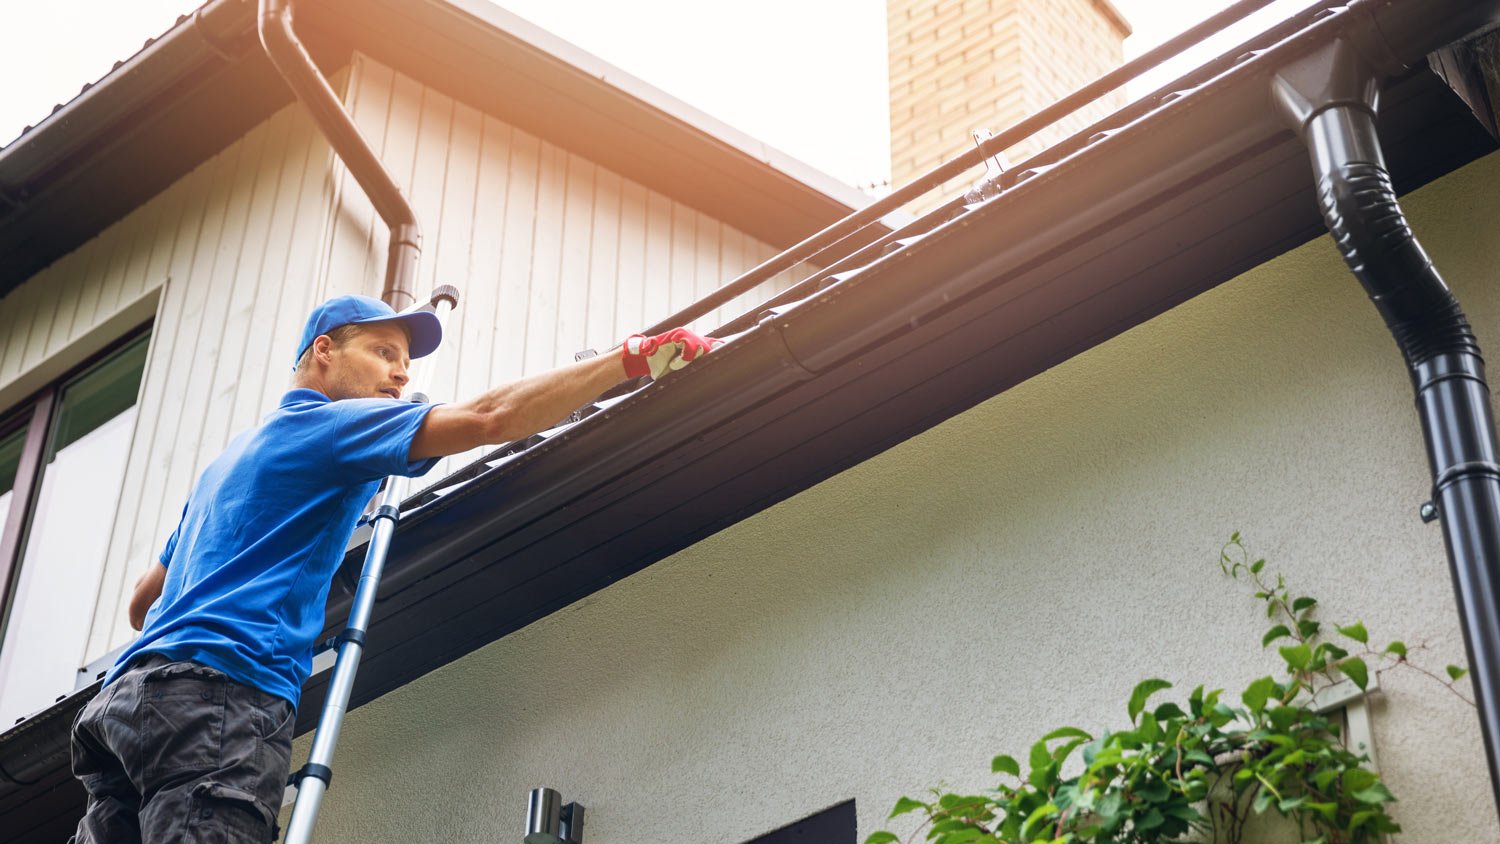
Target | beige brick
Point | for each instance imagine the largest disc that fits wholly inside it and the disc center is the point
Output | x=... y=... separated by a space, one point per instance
x=960 y=65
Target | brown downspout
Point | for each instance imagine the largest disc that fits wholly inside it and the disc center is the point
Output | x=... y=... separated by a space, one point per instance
x=296 y=67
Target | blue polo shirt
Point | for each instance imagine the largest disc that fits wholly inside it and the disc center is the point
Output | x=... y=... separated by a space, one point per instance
x=250 y=563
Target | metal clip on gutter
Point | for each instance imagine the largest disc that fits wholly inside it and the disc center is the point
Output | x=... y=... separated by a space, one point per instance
x=1329 y=98
x=297 y=68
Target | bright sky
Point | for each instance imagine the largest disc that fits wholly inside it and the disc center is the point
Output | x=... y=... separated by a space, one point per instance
x=808 y=78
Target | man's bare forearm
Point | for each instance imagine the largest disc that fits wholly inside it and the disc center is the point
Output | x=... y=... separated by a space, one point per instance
x=515 y=410
x=534 y=403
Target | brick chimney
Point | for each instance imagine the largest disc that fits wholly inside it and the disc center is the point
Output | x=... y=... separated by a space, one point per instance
x=961 y=65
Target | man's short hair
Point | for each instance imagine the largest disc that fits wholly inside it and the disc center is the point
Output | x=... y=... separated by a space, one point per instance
x=339 y=335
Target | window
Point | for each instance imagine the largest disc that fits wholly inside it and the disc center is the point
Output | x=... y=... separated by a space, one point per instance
x=62 y=460
x=830 y=826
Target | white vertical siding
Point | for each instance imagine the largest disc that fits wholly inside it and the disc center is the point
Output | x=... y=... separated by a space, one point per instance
x=553 y=254
x=240 y=239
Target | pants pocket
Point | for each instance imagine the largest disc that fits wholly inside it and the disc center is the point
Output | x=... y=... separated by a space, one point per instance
x=221 y=813
x=182 y=718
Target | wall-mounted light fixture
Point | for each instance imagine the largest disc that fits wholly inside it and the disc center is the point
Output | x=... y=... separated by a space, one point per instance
x=548 y=821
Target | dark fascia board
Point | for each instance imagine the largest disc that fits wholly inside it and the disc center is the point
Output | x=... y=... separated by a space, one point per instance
x=206 y=82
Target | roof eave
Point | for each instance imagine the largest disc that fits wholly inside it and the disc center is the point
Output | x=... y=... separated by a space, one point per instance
x=204 y=83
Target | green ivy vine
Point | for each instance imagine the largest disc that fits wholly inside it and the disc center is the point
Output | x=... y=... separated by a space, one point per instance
x=1198 y=770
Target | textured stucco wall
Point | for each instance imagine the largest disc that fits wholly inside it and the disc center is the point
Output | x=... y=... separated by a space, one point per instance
x=1017 y=568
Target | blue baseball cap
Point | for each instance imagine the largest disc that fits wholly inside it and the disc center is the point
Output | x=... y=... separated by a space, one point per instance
x=425 y=329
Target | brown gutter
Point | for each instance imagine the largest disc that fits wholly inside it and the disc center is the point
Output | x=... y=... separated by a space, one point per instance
x=312 y=89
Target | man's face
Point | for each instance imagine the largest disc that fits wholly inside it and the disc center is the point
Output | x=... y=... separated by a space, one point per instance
x=371 y=364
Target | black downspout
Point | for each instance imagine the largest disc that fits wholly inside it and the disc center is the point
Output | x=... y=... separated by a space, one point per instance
x=1330 y=99
x=296 y=67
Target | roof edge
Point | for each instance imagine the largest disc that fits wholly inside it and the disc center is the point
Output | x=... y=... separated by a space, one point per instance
x=531 y=36
x=216 y=47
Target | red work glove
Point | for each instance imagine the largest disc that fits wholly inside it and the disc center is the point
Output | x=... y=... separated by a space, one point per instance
x=656 y=356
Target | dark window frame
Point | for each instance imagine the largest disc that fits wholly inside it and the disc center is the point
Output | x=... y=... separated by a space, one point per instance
x=838 y=820
x=35 y=414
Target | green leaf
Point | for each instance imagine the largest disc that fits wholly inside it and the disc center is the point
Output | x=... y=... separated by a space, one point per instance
x=1374 y=795
x=1041 y=757
x=1152 y=820
x=1297 y=656
x=1066 y=732
x=1153 y=790
x=1258 y=692
x=949 y=825
x=1356 y=631
x=904 y=805
x=1256 y=566
x=881 y=837
x=1304 y=603
x=1457 y=672
x=1398 y=648
x=1035 y=818
x=1003 y=764
x=1168 y=711
x=1143 y=691
x=1150 y=730
x=1355 y=779
x=1273 y=634
x=1354 y=668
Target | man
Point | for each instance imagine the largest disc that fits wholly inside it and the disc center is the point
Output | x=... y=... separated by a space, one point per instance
x=190 y=738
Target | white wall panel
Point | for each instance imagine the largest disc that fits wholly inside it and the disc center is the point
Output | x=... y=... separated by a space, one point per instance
x=240 y=239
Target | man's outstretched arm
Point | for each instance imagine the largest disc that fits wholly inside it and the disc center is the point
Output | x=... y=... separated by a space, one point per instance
x=147 y=590
x=521 y=408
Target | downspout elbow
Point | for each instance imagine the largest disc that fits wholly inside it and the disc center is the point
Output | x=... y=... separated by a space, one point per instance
x=1330 y=101
x=296 y=67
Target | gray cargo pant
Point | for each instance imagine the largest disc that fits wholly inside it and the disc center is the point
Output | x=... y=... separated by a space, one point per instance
x=176 y=751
